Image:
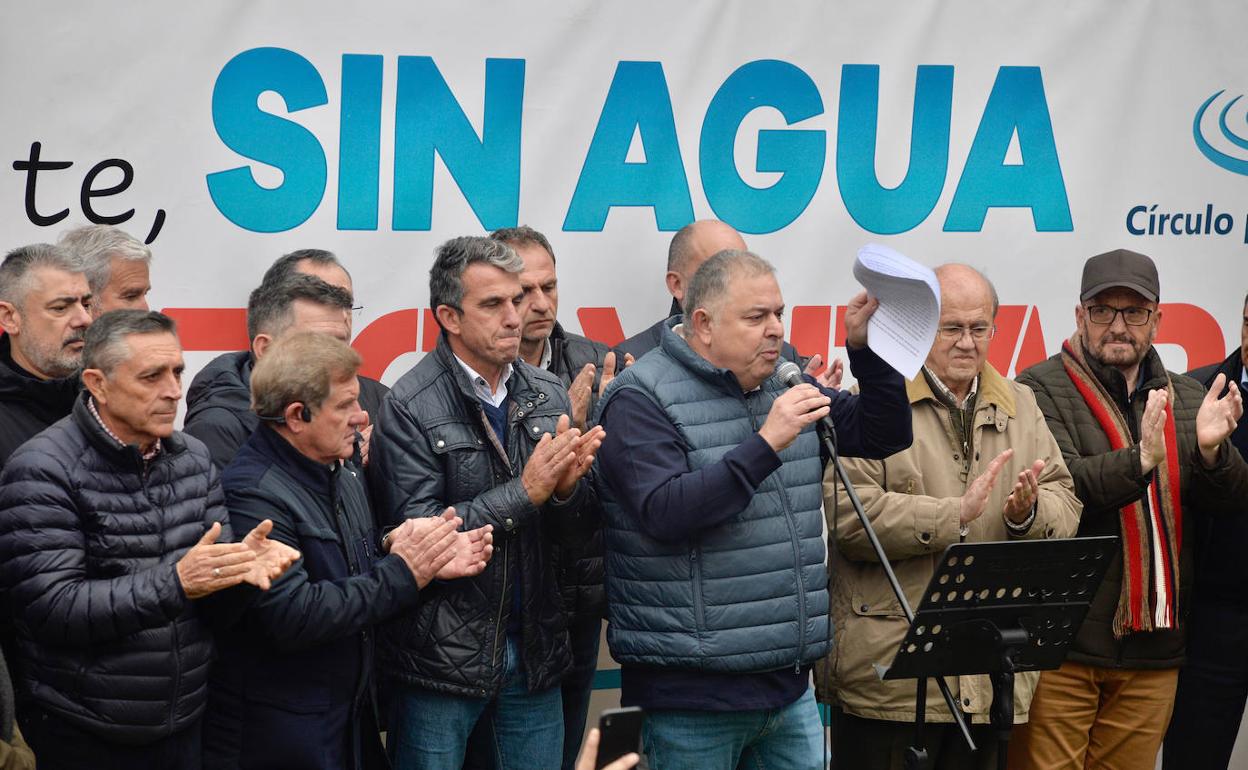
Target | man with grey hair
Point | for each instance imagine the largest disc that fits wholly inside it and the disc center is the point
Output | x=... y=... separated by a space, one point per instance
x=983 y=467
x=326 y=266
x=717 y=594
x=316 y=262
x=112 y=531
x=44 y=311
x=473 y=427
x=586 y=367
x=116 y=263
x=218 y=407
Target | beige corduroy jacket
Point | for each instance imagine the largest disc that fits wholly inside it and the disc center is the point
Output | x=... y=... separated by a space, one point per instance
x=913 y=500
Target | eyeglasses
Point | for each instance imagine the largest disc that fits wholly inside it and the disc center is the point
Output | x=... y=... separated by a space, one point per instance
x=978 y=332
x=1104 y=315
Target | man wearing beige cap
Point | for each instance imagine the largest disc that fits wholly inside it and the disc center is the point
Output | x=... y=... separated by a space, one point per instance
x=1149 y=453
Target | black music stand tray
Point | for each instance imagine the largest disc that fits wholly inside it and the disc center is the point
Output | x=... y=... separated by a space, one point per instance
x=999 y=608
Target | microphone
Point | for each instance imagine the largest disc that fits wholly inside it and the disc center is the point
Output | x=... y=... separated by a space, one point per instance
x=791 y=375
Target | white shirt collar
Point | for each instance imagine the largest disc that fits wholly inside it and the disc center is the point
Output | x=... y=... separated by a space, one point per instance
x=547 y=355
x=479 y=384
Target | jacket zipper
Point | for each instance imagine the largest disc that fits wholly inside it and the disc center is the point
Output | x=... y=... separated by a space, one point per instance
x=499 y=629
x=795 y=541
x=801 y=586
x=177 y=658
x=699 y=608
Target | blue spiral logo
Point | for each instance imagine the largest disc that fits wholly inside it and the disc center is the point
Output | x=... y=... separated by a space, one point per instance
x=1228 y=162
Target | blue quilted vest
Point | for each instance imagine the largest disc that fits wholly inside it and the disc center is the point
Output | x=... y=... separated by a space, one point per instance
x=750 y=595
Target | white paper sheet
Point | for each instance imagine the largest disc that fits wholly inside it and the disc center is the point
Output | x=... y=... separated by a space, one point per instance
x=903 y=328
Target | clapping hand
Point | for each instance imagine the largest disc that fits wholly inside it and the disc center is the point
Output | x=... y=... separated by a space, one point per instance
x=1219 y=414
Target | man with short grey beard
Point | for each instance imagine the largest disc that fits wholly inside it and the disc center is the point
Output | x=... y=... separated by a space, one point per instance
x=44 y=312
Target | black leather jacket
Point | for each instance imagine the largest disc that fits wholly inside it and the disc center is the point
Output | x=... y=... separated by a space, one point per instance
x=431 y=449
x=580 y=565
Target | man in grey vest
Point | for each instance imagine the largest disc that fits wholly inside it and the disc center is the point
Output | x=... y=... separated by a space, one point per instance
x=717 y=593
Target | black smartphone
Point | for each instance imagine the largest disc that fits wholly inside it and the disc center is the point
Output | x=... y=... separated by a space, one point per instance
x=620 y=731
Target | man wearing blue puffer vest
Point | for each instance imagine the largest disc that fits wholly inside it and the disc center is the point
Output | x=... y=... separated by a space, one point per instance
x=716 y=585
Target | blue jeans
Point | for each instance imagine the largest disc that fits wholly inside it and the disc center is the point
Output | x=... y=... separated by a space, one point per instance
x=429 y=731
x=788 y=738
x=578 y=685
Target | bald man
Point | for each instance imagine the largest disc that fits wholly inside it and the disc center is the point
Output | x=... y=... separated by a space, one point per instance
x=983 y=467
x=692 y=245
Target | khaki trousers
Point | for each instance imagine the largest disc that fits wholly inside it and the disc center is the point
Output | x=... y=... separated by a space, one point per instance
x=1089 y=717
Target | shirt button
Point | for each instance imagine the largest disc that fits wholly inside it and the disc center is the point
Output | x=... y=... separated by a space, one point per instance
x=865 y=608
x=441 y=443
x=520 y=413
x=536 y=429
x=529 y=404
x=966 y=701
x=509 y=523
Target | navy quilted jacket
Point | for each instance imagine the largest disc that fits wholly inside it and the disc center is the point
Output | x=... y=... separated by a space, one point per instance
x=89 y=540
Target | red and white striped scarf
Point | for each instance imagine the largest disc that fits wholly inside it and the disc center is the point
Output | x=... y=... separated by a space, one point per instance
x=1152 y=535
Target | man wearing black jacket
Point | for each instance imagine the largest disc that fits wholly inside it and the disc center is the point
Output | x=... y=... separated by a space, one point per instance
x=292 y=686
x=218 y=404
x=44 y=312
x=585 y=367
x=109 y=522
x=473 y=427
x=1213 y=684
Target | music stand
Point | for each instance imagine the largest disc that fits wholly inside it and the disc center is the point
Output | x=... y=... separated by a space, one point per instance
x=999 y=608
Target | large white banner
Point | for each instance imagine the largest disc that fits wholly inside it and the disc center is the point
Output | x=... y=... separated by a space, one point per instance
x=1021 y=137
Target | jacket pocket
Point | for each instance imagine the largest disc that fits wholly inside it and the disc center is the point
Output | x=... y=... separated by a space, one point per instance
x=695 y=574
x=534 y=426
x=454 y=436
x=872 y=596
x=461 y=449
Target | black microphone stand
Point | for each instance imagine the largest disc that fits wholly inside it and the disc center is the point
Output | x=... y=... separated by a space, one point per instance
x=916 y=755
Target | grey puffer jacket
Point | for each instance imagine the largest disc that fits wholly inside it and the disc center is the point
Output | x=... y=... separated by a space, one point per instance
x=749 y=595
x=89 y=541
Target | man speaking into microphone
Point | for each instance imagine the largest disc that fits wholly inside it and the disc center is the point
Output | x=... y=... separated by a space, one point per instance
x=716 y=586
